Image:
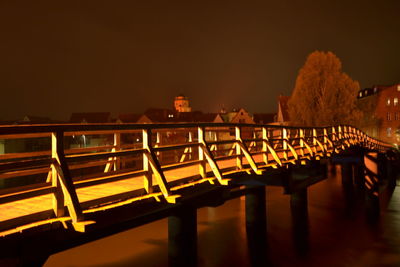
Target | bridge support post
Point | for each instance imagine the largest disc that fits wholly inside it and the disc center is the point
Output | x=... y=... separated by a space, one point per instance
x=182 y=237
x=256 y=215
x=388 y=169
x=331 y=167
x=348 y=185
x=299 y=210
x=392 y=173
x=347 y=174
x=359 y=175
x=256 y=224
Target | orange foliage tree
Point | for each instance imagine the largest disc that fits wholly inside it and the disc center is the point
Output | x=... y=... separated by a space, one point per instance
x=323 y=94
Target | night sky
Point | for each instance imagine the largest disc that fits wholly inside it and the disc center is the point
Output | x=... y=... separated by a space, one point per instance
x=58 y=57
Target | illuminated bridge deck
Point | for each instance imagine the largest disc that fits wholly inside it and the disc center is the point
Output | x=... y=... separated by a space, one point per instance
x=81 y=169
x=42 y=203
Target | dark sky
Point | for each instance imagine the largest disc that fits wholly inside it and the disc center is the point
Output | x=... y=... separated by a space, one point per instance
x=58 y=57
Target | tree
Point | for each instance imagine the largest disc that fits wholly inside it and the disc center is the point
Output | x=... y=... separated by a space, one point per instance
x=323 y=94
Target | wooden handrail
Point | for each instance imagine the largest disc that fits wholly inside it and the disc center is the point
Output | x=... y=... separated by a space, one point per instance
x=278 y=145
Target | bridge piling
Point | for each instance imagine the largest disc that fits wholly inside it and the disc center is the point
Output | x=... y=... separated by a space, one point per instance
x=347 y=174
x=182 y=237
x=256 y=217
x=331 y=166
x=348 y=181
x=299 y=211
x=392 y=173
x=359 y=175
x=256 y=224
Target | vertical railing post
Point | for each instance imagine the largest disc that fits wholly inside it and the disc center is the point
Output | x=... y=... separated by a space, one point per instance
x=350 y=130
x=190 y=140
x=350 y=134
x=201 y=140
x=333 y=138
x=216 y=140
x=301 y=135
x=114 y=162
x=326 y=143
x=238 y=136
x=314 y=135
x=148 y=177
x=359 y=136
x=117 y=147
x=314 y=138
x=64 y=180
x=325 y=136
x=157 y=144
x=58 y=197
x=265 y=145
x=355 y=135
x=346 y=134
x=284 y=143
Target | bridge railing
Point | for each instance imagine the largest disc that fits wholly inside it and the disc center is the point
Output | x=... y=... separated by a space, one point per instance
x=59 y=160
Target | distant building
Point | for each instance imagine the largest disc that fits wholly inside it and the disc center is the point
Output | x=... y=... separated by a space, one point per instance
x=211 y=117
x=283 y=113
x=181 y=104
x=128 y=118
x=28 y=119
x=237 y=116
x=91 y=117
x=156 y=115
x=381 y=108
x=159 y=115
x=19 y=145
x=264 y=118
x=144 y=119
x=90 y=140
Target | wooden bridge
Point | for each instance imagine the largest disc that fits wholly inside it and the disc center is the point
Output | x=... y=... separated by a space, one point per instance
x=69 y=184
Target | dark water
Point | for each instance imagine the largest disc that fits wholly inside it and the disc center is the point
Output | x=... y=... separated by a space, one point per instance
x=338 y=235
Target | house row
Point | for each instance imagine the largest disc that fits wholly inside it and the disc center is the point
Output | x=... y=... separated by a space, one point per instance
x=180 y=113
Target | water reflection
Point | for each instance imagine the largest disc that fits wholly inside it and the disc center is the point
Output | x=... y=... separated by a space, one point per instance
x=334 y=233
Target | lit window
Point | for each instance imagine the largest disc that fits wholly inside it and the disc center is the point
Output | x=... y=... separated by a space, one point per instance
x=389 y=132
x=396 y=116
x=170 y=115
x=398 y=87
x=360 y=94
x=388 y=116
x=375 y=89
x=388 y=102
x=395 y=101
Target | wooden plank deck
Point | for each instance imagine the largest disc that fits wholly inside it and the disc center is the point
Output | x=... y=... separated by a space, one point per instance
x=42 y=203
